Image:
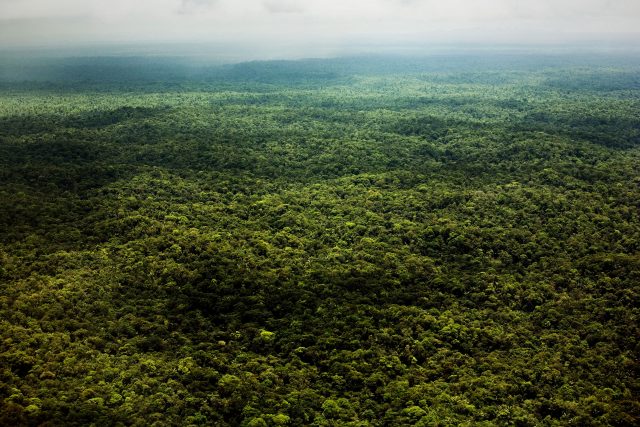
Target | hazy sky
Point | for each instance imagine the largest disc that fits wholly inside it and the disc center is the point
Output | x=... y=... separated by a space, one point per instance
x=316 y=22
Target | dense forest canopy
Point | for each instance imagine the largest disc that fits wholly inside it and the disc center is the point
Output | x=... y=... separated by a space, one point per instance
x=443 y=240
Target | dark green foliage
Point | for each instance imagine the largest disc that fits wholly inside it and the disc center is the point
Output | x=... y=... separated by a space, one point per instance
x=341 y=242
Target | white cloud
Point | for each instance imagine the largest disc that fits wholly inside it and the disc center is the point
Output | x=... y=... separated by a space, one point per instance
x=283 y=6
x=195 y=6
x=313 y=21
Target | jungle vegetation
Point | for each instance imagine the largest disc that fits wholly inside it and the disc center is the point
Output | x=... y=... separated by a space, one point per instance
x=446 y=240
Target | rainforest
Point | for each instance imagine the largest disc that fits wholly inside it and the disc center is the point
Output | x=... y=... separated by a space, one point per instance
x=436 y=240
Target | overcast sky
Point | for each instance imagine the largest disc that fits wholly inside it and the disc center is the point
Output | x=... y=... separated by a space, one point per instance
x=316 y=23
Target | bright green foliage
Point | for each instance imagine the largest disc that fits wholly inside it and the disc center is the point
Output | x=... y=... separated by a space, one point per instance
x=323 y=243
